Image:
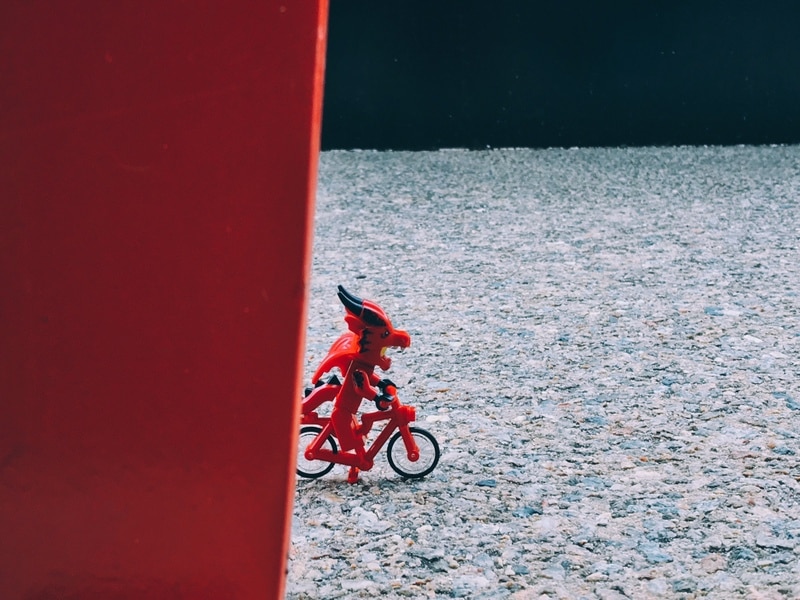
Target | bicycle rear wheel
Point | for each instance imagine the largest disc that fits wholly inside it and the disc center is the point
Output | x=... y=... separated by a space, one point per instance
x=428 y=454
x=311 y=469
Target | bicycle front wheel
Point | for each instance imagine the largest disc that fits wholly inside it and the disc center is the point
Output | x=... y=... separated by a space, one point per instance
x=311 y=469
x=428 y=454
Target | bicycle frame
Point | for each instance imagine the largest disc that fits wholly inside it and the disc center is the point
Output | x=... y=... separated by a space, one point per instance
x=398 y=416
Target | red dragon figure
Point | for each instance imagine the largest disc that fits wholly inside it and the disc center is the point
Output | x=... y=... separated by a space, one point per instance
x=356 y=354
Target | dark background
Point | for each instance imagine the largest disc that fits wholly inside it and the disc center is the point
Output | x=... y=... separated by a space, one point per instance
x=460 y=73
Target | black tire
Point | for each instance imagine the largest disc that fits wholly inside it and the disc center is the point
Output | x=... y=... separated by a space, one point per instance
x=311 y=469
x=428 y=454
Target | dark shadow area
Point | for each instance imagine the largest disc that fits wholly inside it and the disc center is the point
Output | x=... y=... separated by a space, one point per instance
x=450 y=73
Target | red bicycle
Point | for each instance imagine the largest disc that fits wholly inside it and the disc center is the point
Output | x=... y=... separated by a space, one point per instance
x=413 y=452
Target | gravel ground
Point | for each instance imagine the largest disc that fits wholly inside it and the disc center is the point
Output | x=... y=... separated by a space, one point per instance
x=604 y=342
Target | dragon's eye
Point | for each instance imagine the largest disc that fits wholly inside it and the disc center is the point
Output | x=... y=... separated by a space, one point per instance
x=386 y=334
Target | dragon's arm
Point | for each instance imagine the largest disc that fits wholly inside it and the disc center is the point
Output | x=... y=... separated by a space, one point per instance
x=362 y=384
x=382 y=397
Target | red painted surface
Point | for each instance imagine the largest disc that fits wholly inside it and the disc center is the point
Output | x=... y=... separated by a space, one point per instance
x=157 y=171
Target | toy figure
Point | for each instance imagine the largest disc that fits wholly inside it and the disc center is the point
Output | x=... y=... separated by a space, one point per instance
x=356 y=354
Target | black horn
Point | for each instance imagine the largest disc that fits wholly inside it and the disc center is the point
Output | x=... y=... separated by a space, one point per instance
x=354 y=304
x=355 y=299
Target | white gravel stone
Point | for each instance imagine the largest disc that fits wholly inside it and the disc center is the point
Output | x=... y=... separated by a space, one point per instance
x=604 y=342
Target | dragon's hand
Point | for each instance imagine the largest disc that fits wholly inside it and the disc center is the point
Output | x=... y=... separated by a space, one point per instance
x=384 y=383
x=383 y=401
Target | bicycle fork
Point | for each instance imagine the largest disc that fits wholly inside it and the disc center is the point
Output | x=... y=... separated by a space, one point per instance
x=411 y=446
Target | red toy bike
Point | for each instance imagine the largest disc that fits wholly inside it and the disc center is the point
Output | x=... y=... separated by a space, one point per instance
x=413 y=452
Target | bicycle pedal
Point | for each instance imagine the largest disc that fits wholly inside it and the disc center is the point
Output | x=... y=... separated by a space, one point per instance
x=352 y=475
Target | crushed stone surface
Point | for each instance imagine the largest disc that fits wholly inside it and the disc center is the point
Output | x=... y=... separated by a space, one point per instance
x=604 y=343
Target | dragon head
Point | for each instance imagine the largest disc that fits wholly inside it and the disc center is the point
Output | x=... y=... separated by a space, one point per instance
x=376 y=333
